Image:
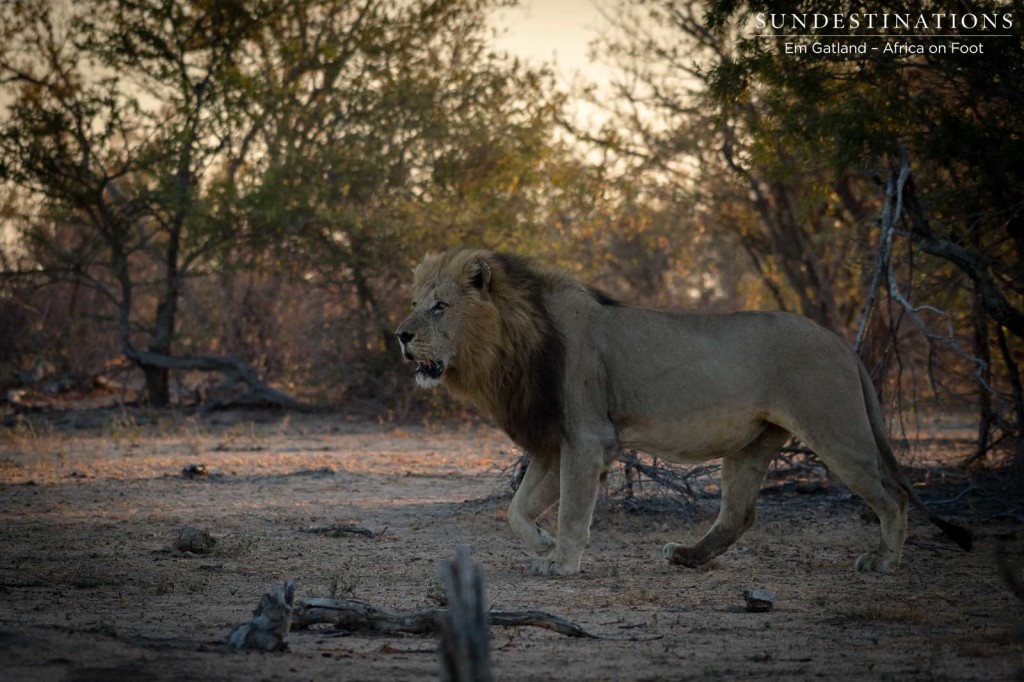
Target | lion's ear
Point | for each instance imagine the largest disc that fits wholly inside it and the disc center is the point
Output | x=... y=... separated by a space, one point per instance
x=480 y=275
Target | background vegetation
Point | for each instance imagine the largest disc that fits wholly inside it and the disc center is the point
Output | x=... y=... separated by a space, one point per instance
x=241 y=186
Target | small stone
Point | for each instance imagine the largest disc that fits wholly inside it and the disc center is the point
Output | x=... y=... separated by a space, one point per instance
x=194 y=540
x=195 y=471
x=759 y=600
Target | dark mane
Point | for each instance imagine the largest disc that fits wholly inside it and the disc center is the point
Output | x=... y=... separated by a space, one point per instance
x=534 y=416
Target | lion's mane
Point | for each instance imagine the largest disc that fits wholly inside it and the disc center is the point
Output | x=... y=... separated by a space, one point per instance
x=511 y=365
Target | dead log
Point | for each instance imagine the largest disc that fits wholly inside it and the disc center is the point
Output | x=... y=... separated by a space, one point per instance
x=234 y=370
x=465 y=647
x=538 y=619
x=355 y=615
x=337 y=531
x=271 y=621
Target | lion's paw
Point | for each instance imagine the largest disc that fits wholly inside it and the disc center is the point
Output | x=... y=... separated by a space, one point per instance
x=873 y=562
x=551 y=566
x=681 y=555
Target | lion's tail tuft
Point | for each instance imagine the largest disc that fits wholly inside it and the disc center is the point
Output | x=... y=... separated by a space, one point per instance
x=958 y=534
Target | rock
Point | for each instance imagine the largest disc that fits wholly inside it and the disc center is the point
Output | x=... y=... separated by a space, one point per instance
x=759 y=600
x=195 y=471
x=195 y=540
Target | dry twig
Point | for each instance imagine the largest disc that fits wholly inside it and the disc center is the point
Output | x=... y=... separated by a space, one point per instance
x=337 y=531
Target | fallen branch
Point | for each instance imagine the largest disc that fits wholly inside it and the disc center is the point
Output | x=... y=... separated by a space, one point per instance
x=234 y=370
x=798 y=487
x=355 y=615
x=538 y=619
x=337 y=531
x=786 y=472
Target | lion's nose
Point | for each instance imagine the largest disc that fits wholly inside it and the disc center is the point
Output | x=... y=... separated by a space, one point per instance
x=405 y=337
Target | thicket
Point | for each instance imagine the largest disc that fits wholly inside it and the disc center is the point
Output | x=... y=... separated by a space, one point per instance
x=243 y=185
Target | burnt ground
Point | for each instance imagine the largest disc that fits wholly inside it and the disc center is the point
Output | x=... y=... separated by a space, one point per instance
x=92 y=589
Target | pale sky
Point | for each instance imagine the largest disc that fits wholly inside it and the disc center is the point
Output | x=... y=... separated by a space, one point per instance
x=555 y=31
x=559 y=33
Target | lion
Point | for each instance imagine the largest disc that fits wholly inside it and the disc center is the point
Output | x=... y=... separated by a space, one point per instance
x=574 y=377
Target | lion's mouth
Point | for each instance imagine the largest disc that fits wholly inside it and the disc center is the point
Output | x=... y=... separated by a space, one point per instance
x=430 y=368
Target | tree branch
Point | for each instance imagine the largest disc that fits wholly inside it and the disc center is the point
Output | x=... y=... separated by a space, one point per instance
x=976 y=266
x=891 y=215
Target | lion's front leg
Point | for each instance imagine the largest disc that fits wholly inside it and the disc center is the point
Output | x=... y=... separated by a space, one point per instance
x=537 y=492
x=578 y=483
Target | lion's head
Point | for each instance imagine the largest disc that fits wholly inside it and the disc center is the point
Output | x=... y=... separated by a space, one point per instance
x=453 y=328
x=480 y=327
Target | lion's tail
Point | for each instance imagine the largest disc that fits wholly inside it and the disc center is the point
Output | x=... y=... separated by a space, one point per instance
x=958 y=534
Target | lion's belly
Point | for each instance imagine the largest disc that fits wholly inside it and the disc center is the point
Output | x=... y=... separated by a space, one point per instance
x=690 y=439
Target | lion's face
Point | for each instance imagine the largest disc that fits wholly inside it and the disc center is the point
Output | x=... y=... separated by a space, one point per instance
x=451 y=312
x=428 y=334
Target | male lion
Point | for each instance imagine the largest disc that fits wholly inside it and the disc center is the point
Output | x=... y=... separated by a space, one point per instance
x=573 y=377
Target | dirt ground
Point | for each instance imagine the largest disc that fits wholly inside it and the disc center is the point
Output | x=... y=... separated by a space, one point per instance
x=91 y=589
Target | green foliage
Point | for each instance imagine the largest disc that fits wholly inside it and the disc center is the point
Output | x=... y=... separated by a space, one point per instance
x=162 y=148
x=793 y=150
x=760 y=221
x=958 y=116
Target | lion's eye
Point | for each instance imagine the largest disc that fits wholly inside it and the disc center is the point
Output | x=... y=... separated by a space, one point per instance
x=439 y=307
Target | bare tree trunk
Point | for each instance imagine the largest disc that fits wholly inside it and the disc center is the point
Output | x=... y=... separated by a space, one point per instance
x=369 y=311
x=986 y=415
x=158 y=376
x=158 y=388
x=465 y=647
x=1018 y=406
x=158 y=385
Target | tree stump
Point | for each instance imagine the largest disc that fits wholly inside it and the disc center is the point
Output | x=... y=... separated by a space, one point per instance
x=271 y=621
x=464 y=648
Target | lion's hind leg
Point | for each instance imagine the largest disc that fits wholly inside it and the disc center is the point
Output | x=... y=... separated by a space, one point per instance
x=855 y=461
x=742 y=474
x=888 y=501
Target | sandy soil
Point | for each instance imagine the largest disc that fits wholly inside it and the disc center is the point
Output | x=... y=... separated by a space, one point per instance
x=90 y=588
